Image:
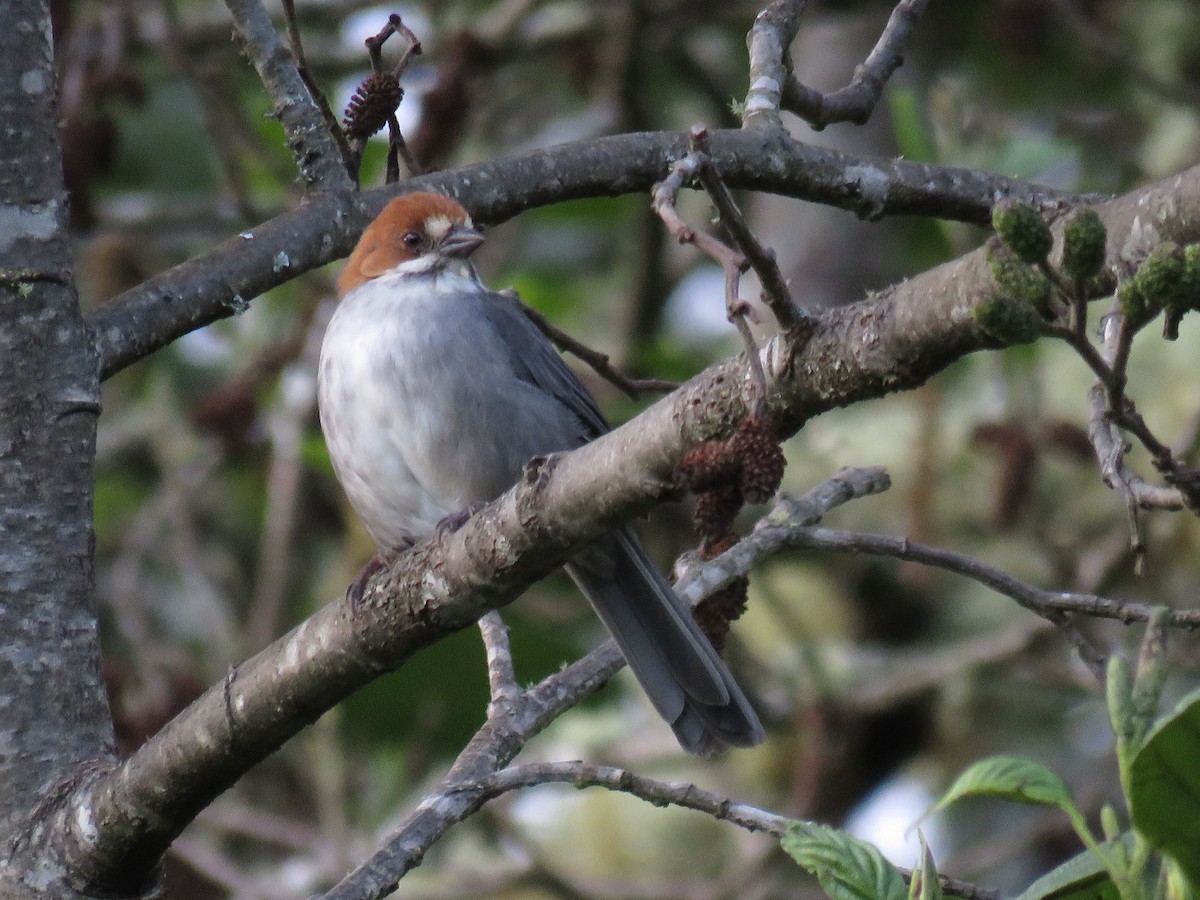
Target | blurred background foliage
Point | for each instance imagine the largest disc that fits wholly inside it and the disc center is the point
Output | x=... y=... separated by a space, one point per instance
x=219 y=523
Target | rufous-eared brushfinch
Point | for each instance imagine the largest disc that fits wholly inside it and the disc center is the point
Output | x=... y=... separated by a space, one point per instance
x=436 y=391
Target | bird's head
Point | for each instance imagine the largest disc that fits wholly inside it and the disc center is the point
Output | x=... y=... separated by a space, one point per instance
x=415 y=234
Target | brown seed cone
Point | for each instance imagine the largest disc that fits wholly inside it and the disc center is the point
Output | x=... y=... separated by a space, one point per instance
x=376 y=98
x=716 y=611
x=708 y=465
x=757 y=448
x=715 y=511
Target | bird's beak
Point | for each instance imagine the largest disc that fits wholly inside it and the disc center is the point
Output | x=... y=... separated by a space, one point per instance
x=460 y=241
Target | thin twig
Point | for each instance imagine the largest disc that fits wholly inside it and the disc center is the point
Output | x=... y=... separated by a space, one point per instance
x=1111 y=414
x=1034 y=599
x=318 y=95
x=397 y=146
x=502 y=677
x=776 y=293
x=315 y=150
x=732 y=262
x=667 y=793
x=597 y=361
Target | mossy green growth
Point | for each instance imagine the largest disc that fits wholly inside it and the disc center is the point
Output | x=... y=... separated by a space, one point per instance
x=1161 y=277
x=1191 y=276
x=1134 y=305
x=1084 y=237
x=1102 y=284
x=1023 y=229
x=1016 y=279
x=1008 y=320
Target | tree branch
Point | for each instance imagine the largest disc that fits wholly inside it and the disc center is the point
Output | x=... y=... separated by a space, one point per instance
x=507 y=730
x=775 y=87
x=316 y=151
x=856 y=101
x=221 y=282
x=892 y=341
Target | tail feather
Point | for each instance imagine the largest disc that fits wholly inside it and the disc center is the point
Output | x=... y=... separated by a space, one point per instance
x=684 y=677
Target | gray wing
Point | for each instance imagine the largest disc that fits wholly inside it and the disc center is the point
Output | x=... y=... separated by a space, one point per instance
x=536 y=361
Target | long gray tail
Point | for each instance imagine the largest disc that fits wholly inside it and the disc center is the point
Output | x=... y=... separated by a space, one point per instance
x=686 y=680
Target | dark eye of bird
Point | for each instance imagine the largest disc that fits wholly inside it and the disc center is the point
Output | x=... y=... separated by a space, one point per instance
x=411 y=240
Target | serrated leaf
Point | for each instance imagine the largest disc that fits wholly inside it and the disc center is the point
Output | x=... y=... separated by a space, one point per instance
x=1081 y=877
x=1164 y=785
x=847 y=868
x=1010 y=778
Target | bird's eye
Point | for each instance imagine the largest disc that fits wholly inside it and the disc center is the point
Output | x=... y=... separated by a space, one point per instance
x=411 y=240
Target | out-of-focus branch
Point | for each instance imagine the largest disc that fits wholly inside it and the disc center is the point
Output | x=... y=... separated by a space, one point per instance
x=1042 y=602
x=654 y=791
x=856 y=101
x=774 y=85
x=317 y=152
x=295 y=405
x=769 y=40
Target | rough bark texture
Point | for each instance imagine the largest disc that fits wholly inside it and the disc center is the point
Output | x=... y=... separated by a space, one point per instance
x=54 y=716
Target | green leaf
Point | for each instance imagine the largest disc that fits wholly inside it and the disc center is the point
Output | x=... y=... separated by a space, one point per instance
x=1119 y=694
x=1081 y=877
x=924 y=884
x=1178 y=886
x=1165 y=787
x=847 y=868
x=1010 y=778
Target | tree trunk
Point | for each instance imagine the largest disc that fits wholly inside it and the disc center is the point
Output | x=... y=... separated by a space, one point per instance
x=54 y=717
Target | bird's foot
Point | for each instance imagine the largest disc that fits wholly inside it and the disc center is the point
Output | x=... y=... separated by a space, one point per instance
x=355 y=591
x=359 y=586
x=456 y=520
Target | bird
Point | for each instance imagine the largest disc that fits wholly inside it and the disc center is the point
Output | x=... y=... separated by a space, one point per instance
x=434 y=392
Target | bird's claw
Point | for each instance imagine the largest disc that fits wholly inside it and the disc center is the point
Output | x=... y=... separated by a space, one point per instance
x=456 y=520
x=358 y=587
x=355 y=592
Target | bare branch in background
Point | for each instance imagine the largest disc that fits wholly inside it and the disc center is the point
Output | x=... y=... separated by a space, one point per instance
x=769 y=42
x=775 y=87
x=287 y=421
x=297 y=47
x=856 y=101
x=672 y=793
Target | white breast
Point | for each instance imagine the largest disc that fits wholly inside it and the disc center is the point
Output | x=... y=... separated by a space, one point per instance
x=421 y=409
